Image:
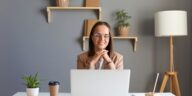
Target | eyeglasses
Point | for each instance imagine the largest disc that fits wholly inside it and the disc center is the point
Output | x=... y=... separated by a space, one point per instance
x=98 y=35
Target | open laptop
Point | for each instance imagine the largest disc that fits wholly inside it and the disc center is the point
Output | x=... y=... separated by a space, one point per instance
x=100 y=82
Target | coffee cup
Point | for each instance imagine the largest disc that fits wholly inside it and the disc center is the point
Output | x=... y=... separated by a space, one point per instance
x=54 y=88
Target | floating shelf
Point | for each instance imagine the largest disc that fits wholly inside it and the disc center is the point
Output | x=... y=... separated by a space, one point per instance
x=132 y=39
x=98 y=9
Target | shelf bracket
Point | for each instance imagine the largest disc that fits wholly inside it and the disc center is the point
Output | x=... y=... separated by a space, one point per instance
x=48 y=15
x=134 y=44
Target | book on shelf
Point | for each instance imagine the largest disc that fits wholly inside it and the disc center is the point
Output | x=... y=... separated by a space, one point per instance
x=88 y=26
x=92 y=3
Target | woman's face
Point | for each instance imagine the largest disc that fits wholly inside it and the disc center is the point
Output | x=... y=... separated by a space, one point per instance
x=101 y=37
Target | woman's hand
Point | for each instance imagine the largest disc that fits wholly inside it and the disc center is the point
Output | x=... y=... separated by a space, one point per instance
x=96 y=57
x=101 y=54
x=106 y=56
x=108 y=60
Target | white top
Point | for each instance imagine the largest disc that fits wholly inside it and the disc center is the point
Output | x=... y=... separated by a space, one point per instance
x=100 y=63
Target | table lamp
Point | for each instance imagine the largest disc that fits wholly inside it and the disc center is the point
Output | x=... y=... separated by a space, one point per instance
x=168 y=24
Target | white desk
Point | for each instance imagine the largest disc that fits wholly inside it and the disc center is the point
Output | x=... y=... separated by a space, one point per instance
x=68 y=94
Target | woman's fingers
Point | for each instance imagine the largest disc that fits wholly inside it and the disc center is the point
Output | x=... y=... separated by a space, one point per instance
x=99 y=53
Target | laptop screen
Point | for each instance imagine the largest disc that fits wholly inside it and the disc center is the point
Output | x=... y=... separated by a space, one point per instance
x=100 y=82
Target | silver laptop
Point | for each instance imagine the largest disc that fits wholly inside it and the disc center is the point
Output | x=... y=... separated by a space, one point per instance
x=100 y=82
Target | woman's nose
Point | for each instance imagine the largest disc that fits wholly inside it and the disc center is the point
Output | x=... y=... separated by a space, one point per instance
x=102 y=37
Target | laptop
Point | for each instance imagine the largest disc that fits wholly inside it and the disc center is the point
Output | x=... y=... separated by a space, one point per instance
x=100 y=82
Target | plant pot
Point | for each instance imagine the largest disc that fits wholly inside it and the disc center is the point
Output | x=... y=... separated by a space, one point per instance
x=62 y=3
x=32 y=91
x=123 y=31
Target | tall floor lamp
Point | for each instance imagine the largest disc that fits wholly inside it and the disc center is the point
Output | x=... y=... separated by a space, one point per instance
x=168 y=24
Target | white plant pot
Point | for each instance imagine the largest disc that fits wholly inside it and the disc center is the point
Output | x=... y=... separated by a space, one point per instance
x=32 y=91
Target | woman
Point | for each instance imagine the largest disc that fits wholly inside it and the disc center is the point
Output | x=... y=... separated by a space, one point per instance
x=100 y=54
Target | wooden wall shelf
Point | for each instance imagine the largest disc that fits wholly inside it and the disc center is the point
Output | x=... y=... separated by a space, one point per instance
x=98 y=9
x=132 y=39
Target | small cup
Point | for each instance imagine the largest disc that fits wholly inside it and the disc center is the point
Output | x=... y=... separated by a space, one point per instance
x=54 y=88
x=151 y=94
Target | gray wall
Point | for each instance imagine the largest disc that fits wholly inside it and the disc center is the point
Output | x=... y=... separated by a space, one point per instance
x=190 y=69
x=28 y=44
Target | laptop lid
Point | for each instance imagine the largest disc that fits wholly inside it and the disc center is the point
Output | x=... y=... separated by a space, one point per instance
x=100 y=82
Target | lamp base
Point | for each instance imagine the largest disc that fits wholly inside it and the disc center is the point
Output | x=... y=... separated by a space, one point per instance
x=174 y=83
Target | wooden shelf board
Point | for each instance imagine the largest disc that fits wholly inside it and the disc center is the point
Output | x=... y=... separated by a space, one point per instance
x=134 y=41
x=71 y=8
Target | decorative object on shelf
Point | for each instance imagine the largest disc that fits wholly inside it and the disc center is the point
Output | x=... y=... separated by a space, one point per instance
x=32 y=83
x=92 y=3
x=168 y=24
x=62 y=3
x=122 y=19
x=88 y=26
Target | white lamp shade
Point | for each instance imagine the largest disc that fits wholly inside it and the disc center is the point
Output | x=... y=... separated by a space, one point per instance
x=172 y=22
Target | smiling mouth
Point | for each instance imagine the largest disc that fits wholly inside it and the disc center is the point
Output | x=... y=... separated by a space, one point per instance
x=101 y=43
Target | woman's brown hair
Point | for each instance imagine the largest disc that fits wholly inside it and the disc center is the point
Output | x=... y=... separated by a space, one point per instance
x=91 y=51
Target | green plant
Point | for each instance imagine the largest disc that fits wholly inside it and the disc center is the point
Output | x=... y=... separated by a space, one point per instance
x=122 y=18
x=31 y=81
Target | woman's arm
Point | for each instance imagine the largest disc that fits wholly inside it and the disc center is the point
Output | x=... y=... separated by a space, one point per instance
x=119 y=64
x=80 y=64
x=116 y=62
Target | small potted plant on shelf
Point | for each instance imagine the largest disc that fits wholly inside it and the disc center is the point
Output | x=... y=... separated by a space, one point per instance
x=32 y=83
x=122 y=19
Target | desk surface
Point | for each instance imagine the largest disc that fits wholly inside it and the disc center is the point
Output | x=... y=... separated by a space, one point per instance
x=68 y=94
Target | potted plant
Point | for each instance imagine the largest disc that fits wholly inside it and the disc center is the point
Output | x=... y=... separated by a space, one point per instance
x=122 y=19
x=32 y=83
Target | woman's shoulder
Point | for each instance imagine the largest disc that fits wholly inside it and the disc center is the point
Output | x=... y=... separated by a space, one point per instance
x=83 y=54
